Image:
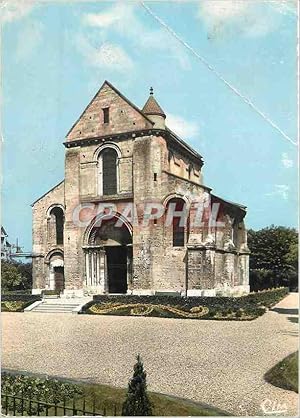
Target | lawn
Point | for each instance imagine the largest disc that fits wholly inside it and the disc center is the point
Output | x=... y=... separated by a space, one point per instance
x=107 y=396
x=285 y=373
x=103 y=399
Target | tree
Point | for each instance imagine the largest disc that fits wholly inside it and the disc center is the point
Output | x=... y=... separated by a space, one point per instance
x=273 y=258
x=16 y=276
x=137 y=402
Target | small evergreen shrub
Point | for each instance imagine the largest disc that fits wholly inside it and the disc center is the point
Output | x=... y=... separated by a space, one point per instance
x=137 y=402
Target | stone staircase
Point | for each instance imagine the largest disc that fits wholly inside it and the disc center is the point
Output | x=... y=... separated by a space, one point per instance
x=58 y=305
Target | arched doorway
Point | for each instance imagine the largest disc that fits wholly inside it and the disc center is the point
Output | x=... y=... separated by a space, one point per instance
x=109 y=256
x=56 y=272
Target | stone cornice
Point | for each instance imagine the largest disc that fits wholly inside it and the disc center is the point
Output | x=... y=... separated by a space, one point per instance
x=201 y=247
x=169 y=136
x=108 y=198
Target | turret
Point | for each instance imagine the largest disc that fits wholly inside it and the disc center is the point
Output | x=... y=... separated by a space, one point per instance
x=154 y=111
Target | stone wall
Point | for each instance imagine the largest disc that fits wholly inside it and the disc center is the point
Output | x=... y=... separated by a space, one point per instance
x=43 y=242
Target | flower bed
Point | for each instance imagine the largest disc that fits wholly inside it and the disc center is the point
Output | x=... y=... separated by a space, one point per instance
x=13 y=302
x=245 y=307
x=14 y=306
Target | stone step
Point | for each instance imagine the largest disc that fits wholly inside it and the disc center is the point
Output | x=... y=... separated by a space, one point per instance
x=58 y=304
x=62 y=305
x=52 y=312
x=55 y=307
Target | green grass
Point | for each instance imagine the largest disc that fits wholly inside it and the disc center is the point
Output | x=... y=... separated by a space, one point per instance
x=163 y=405
x=108 y=400
x=285 y=373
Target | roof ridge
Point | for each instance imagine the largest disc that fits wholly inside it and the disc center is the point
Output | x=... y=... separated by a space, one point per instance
x=93 y=98
x=50 y=190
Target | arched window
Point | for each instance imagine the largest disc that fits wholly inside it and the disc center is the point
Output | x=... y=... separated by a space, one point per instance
x=176 y=210
x=57 y=222
x=108 y=171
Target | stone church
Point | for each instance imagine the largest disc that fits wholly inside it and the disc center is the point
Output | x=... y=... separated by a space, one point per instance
x=94 y=233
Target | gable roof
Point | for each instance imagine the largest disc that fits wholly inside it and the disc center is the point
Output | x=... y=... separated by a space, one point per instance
x=120 y=94
x=181 y=142
x=228 y=202
x=54 y=187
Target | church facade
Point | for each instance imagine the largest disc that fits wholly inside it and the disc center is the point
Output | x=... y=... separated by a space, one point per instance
x=132 y=214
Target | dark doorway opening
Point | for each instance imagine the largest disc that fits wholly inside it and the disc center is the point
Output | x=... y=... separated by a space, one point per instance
x=117 y=269
x=59 y=279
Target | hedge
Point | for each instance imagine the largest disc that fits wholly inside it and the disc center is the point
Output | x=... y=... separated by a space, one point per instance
x=16 y=292
x=244 y=307
x=11 y=297
x=47 y=390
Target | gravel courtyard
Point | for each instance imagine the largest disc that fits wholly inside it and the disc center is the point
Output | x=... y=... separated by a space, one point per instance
x=221 y=363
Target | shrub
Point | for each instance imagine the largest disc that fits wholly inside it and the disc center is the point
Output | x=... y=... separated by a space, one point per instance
x=15 y=276
x=274 y=257
x=137 y=402
x=15 y=296
x=43 y=389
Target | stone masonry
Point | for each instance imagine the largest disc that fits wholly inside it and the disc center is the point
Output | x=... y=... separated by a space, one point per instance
x=120 y=160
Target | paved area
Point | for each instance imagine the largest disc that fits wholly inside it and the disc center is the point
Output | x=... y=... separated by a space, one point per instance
x=221 y=363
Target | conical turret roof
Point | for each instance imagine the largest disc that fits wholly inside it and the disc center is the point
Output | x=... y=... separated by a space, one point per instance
x=151 y=106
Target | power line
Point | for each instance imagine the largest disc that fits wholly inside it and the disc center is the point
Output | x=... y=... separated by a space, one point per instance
x=217 y=74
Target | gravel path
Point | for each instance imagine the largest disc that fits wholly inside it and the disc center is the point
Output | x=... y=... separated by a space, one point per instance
x=221 y=363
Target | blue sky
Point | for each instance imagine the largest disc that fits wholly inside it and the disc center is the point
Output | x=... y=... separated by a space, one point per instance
x=56 y=55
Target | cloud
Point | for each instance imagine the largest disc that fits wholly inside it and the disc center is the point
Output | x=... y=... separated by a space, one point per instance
x=15 y=9
x=119 y=14
x=122 y=20
x=281 y=190
x=285 y=6
x=286 y=161
x=181 y=126
x=249 y=18
x=106 y=56
x=28 y=40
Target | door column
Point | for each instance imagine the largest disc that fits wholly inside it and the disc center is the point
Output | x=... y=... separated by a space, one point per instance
x=87 y=269
x=95 y=269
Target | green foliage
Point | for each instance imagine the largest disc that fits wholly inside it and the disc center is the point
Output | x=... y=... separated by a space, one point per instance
x=273 y=258
x=285 y=373
x=266 y=298
x=94 y=395
x=44 y=390
x=16 y=276
x=14 y=303
x=245 y=307
x=137 y=402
